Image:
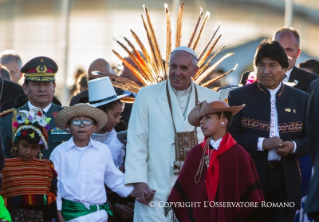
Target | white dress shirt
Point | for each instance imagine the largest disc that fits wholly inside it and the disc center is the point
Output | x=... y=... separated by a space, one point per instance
x=272 y=154
x=46 y=109
x=215 y=144
x=82 y=174
x=287 y=75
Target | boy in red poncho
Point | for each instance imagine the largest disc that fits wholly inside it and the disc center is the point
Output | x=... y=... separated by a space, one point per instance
x=218 y=181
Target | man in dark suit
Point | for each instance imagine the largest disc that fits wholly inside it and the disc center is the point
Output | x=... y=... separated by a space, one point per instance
x=9 y=90
x=289 y=39
x=271 y=128
x=312 y=203
x=310 y=65
x=39 y=86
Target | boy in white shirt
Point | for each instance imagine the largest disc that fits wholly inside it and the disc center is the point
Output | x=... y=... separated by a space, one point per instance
x=83 y=166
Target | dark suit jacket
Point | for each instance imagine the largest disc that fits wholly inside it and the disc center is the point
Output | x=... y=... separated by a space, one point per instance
x=312 y=204
x=312 y=85
x=10 y=90
x=125 y=116
x=304 y=78
x=54 y=139
x=253 y=122
x=75 y=99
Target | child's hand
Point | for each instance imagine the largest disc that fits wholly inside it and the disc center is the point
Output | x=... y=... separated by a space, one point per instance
x=124 y=211
x=149 y=194
x=60 y=217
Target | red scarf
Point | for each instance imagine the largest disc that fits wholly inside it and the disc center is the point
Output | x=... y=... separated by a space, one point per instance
x=212 y=175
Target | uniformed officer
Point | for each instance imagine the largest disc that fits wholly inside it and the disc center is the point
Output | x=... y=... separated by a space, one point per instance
x=39 y=86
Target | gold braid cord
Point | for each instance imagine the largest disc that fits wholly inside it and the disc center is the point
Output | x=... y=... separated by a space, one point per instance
x=152 y=68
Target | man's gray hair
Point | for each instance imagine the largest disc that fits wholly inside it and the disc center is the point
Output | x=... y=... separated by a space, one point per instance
x=8 y=56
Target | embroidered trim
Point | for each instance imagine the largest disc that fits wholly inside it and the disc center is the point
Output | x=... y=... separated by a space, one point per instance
x=257 y=124
x=7 y=111
x=290 y=127
x=279 y=94
x=261 y=89
x=282 y=89
x=264 y=125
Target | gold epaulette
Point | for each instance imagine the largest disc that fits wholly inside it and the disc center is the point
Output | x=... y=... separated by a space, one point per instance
x=6 y=112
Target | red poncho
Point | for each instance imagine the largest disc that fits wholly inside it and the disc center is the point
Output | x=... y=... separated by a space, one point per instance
x=231 y=180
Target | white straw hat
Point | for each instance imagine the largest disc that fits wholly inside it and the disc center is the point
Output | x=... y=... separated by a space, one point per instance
x=101 y=91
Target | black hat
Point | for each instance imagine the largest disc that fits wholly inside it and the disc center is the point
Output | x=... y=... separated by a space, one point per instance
x=40 y=69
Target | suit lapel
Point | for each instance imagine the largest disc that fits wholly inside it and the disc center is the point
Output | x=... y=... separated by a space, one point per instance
x=293 y=75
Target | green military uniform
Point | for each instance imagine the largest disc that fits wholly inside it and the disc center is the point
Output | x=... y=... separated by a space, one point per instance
x=39 y=69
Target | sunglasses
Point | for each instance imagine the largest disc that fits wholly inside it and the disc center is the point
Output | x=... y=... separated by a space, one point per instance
x=84 y=122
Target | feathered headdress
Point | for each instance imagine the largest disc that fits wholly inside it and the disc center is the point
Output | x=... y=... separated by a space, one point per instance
x=32 y=119
x=151 y=67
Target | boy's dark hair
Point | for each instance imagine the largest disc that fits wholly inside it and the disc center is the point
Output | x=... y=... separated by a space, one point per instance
x=34 y=140
x=110 y=105
x=272 y=50
x=311 y=64
x=228 y=116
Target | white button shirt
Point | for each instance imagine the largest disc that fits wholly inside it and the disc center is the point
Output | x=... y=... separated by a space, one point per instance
x=82 y=174
x=46 y=109
x=287 y=75
x=272 y=154
x=215 y=144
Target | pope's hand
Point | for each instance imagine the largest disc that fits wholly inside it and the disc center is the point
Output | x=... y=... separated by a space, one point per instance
x=142 y=193
x=149 y=194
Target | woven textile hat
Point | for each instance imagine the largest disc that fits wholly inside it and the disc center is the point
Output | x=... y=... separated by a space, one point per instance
x=205 y=108
x=40 y=69
x=31 y=119
x=185 y=49
x=101 y=91
x=68 y=113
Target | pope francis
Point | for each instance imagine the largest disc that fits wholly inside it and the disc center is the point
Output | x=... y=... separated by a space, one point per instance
x=157 y=111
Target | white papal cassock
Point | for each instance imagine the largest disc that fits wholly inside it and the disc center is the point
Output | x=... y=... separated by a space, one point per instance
x=150 y=149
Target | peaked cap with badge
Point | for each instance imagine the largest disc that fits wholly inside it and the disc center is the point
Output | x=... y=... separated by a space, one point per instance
x=40 y=69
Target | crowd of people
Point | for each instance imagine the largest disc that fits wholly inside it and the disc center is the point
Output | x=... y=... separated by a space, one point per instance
x=178 y=153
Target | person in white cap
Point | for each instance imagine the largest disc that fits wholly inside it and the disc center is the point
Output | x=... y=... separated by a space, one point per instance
x=159 y=116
